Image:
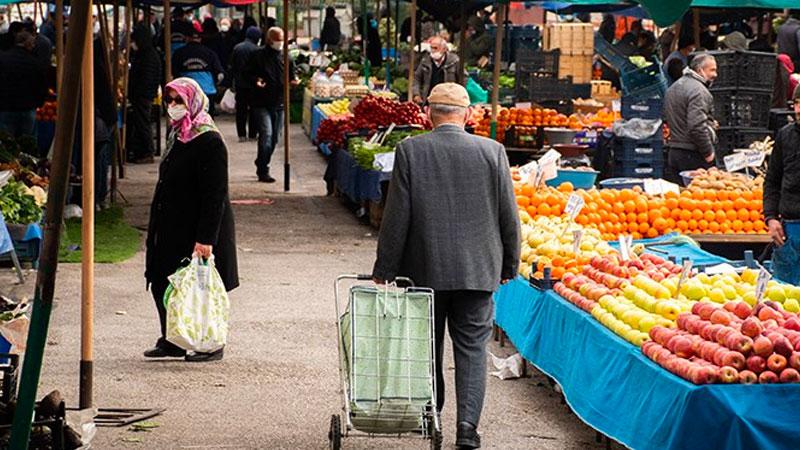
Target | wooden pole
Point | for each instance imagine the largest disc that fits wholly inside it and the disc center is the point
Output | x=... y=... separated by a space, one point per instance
x=125 y=70
x=696 y=26
x=115 y=85
x=388 y=77
x=167 y=42
x=498 y=59
x=46 y=276
x=87 y=220
x=413 y=56
x=396 y=32
x=462 y=38
x=286 y=105
x=59 y=43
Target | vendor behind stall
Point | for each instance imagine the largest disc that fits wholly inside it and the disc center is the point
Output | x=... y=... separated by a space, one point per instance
x=479 y=43
x=782 y=200
x=687 y=111
x=438 y=66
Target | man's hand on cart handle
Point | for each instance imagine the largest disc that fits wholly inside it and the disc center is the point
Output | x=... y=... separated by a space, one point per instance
x=377 y=280
x=776 y=232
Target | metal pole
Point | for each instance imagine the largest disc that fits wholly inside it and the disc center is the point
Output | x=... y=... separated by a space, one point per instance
x=125 y=70
x=59 y=42
x=46 y=276
x=87 y=220
x=286 y=105
x=365 y=41
x=396 y=32
x=115 y=83
x=167 y=42
x=413 y=56
x=498 y=58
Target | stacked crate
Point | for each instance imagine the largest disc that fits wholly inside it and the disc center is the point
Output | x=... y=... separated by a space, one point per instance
x=533 y=63
x=742 y=98
x=576 y=44
x=639 y=158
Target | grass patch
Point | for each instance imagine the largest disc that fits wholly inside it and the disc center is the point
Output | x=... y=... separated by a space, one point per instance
x=115 y=240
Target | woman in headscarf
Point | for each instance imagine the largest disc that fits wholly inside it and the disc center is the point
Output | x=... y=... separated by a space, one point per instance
x=191 y=212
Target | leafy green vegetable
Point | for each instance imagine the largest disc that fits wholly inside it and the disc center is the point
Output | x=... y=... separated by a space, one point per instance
x=18 y=205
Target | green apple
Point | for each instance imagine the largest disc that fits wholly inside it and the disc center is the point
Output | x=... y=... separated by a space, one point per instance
x=646 y=323
x=776 y=294
x=717 y=295
x=792 y=305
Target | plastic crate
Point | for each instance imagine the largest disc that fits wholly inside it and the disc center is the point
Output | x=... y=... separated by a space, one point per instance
x=729 y=138
x=742 y=108
x=634 y=106
x=641 y=170
x=542 y=88
x=639 y=150
x=580 y=179
x=582 y=90
x=745 y=70
x=533 y=61
x=637 y=81
x=621 y=183
x=611 y=54
x=779 y=117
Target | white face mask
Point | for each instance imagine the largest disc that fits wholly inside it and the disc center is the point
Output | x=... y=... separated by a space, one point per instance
x=177 y=112
x=437 y=56
x=277 y=46
x=224 y=28
x=96 y=28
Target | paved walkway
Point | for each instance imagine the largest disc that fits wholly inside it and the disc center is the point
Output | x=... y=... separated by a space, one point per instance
x=278 y=384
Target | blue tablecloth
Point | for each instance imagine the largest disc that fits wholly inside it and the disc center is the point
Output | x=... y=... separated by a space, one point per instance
x=698 y=256
x=6 y=244
x=356 y=183
x=615 y=389
x=317 y=116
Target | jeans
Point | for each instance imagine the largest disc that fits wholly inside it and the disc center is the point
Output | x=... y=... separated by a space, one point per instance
x=18 y=123
x=270 y=122
x=468 y=316
x=245 y=119
x=140 y=133
x=786 y=258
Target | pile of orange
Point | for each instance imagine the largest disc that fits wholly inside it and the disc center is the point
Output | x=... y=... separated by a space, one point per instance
x=632 y=212
x=507 y=117
x=603 y=118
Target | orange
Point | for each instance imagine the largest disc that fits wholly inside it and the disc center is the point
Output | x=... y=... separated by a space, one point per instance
x=722 y=195
x=642 y=217
x=739 y=203
x=618 y=207
x=713 y=227
x=552 y=200
x=536 y=200
x=603 y=215
x=747 y=195
x=756 y=205
x=748 y=226
x=759 y=225
x=626 y=194
x=651 y=233
x=670 y=223
x=731 y=214
x=702 y=224
x=710 y=194
x=726 y=205
x=743 y=214
x=697 y=214
x=675 y=214
x=557 y=273
x=582 y=220
x=659 y=224
x=682 y=225
x=636 y=235
x=558 y=261
x=692 y=224
x=556 y=210
x=641 y=205
x=527 y=190
x=709 y=216
x=613 y=218
x=685 y=214
x=737 y=225
x=633 y=227
x=566 y=187
x=697 y=195
x=523 y=201
x=654 y=215
x=671 y=203
x=544 y=209
x=532 y=211
x=720 y=216
x=630 y=206
x=665 y=212
x=643 y=227
x=704 y=205
x=686 y=203
x=632 y=217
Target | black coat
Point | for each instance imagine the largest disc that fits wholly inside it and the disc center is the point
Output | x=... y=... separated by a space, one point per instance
x=23 y=85
x=145 y=75
x=267 y=64
x=191 y=205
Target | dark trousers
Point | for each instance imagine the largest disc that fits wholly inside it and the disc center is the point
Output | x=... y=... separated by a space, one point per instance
x=245 y=119
x=679 y=160
x=270 y=122
x=140 y=133
x=157 y=289
x=468 y=316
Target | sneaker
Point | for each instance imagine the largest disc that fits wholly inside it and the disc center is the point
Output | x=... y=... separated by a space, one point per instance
x=205 y=357
x=467 y=436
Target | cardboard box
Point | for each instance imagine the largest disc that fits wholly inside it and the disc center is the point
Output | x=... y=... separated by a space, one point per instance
x=570 y=38
x=577 y=66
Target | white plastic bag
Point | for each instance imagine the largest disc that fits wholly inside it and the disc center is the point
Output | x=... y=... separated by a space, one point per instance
x=228 y=103
x=508 y=368
x=197 y=308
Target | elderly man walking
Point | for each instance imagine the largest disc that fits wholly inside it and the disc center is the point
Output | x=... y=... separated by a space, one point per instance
x=451 y=224
x=438 y=66
x=688 y=106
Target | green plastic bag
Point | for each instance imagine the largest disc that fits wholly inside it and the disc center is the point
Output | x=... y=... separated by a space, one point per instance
x=198 y=308
x=477 y=94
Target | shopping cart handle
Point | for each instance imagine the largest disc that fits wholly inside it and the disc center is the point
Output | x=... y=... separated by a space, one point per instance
x=364 y=277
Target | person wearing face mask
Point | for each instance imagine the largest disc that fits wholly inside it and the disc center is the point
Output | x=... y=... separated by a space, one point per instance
x=438 y=66
x=143 y=82
x=265 y=72
x=425 y=207
x=688 y=106
x=191 y=212
x=198 y=62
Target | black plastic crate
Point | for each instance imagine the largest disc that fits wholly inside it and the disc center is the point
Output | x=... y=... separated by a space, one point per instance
x=533 y=61
x=729 y=139
x=644 y=79
x=745 y=70
x=742 y=108
x=582 y=90
x=634 y=106
x=778 y=118
x=643 y=170
x=546 y=88
x=627 y=149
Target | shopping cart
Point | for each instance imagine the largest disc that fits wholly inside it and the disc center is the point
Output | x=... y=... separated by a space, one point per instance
x=386 y=362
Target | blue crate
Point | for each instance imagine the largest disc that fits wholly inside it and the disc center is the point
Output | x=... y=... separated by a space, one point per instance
x=634 y=106
x=580 y=179
x=638 y=150
x=638 y=80
x=654 y=169
x=621 y=183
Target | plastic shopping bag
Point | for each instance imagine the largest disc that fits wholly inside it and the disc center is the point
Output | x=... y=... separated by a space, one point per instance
x=197 y=307
x=228 y=103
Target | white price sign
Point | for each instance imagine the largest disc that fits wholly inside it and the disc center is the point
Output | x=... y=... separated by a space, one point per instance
x=526 y=170
x=761 y=284
x=755 y=158
x=625 y=247
x=653 y=187
x=685 y=272
x=548 y=164
x=574 y=206
x=577 y=235
x=735 y=162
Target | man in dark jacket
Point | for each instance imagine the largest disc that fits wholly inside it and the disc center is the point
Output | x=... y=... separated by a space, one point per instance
x=331 y=33
x=789 y=39
x=198 y=62
x=265 y=71
x=242 y=85
x=23 y=86
x=782 y=200
x=438 y=66
x=479 y=44
x=687 y=110
x=461 y=246
x=145 y=77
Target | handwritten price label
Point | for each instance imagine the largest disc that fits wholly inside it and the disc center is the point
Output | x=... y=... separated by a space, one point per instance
x=735 y=162
x=761 y=284
x=574 y=206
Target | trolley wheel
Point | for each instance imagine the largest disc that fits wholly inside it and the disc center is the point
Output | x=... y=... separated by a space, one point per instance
x=436 y=440
x=335 y=433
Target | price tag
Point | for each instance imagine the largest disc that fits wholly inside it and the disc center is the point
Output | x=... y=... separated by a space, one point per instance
x=685 y=272
x=755 y=158
x=548 y=164
x=526 y=170
x=577 y=235
x=616 y=105
x=523 y=105
x=761 y=284
x=624 y=248
x=735 y=162
x=574 y=206
x=653 y=187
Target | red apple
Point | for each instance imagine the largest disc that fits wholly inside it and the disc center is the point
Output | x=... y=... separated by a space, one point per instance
x=776 y=362
x=767 y=377
x=722 y=335
x=719 y=354
x=790 y=375
x=756 y=364
x=728 y=375
x=734 y=359
x=782 y=346
x=751 y=327
x=792 y=323
x=705 y=310
x=682 y=346
x=762 y=346
x=721 y=317
x=739 y=342
x=730 y=307
x=767 y=313
x=696 y=308
x=742 y=310
x=794 y=360
x=747 y=377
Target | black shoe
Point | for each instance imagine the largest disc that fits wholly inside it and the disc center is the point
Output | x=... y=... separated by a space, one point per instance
x=205 y=357
x=160 y=351
x=266 y=179
x=467 y=436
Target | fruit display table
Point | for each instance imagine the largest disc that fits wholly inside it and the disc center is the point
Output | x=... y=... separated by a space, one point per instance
x=617 y=390
x=733 y=245
x=355 y=183
x=317 y=116
x=662 y=247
